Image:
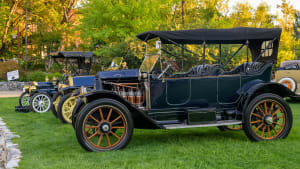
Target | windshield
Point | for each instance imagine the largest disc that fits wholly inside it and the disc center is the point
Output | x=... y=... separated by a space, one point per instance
x=148 y=63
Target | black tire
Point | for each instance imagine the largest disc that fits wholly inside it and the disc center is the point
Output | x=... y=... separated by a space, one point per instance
x=84 y=119
x=257 y=118
x=52 y=105
x=21 y=101
x=60 y=105
x=34 y=106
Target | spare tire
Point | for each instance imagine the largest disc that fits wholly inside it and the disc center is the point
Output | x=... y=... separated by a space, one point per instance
x=289 y=83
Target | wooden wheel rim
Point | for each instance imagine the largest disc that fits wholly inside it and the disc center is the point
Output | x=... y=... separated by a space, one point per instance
x=25 y=100
x=235 y=127
x=67 y=108
x=55 y=103
x=262 y=112
x=107 y=119
x=287 y=83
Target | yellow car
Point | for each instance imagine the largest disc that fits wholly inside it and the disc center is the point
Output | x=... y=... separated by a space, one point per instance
x=289 y=75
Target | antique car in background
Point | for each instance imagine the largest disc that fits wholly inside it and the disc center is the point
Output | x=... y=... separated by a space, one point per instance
x=289 y=75
x=64 y=102
x=38 y=95
x=156 y=96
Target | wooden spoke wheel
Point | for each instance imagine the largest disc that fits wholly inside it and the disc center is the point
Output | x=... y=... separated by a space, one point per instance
x=234 y=127
x=67 y=109
x=268 y=118
x=104 y=125
x=55 y=101
x=24 y=99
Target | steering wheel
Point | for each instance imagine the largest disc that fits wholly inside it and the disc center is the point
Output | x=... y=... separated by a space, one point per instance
x=174 y=66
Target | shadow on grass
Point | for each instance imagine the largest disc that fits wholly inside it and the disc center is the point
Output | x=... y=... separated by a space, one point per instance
x=142 y=137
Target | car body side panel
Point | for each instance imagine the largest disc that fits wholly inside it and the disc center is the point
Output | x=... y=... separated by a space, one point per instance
x=295 y=74
x=228 y=87
x=184 y=92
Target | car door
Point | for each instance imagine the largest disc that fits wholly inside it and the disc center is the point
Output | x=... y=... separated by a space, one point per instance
x=228 y=88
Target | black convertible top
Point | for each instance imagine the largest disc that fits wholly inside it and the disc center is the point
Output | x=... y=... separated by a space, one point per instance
x=237 y=35
x=72 y=54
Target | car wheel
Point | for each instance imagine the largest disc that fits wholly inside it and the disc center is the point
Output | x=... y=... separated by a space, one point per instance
x=66 y=107
x=24 y=99
x=55 y=100
x=104 y=125
x=40 y=102
x=234 y=127
x=268 y=117
x=289 y=83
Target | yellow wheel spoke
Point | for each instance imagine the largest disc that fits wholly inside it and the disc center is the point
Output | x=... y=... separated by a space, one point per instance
x=260 y=109
x=278 y=124
x=94 y=119
x=259 y=116
x=270 y=111
x=263 y=131
x=269 y=132
x=108 y=141
x=101 y=114
x=275 y=130
x=93 y=135
x=91 y=127
x=110 y=110
x=257 y=121
x=265 y=106
x=258 y=127
x=114 y=134
x=118 y=127
x=116 y=119
x=277 y=118
x=100 y=138
x=276 y=111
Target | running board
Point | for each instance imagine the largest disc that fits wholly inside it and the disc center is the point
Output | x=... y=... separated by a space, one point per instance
x=211 y=124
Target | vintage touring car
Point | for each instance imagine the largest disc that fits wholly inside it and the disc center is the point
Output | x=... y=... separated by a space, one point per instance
x=65 y=101
x=38 y=95
x=153 y=97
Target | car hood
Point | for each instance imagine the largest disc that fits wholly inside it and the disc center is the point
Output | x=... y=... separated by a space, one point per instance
x=83 y=81
x=119 y=74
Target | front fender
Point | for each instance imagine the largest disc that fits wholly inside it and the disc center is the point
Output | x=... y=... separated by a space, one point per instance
x=140 y=118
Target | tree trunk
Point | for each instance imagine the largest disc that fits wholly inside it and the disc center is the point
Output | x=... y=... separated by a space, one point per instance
x=12 y=11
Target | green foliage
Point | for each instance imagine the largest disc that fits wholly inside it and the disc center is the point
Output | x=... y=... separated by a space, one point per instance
x=39 y=76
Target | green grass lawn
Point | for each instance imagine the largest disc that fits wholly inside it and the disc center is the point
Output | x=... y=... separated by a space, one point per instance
x=47 y=143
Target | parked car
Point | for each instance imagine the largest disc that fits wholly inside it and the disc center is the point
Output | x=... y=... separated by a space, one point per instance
x=38 y=95
x=289 y=75
x=65 y=100
x=156 y=96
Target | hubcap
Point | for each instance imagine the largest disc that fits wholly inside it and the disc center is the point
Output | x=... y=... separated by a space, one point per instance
x=105 y=127
x=268 y=119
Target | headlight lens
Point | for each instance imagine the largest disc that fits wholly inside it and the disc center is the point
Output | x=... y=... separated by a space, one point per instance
x=83 y=90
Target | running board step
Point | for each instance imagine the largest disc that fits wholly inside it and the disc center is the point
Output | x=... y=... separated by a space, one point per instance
x=211 y=124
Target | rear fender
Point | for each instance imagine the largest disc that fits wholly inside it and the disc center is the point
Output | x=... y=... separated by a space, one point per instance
x=263 y=87
x=140 y=118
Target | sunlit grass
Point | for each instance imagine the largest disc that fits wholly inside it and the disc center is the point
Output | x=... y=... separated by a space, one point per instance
x=47 y=143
